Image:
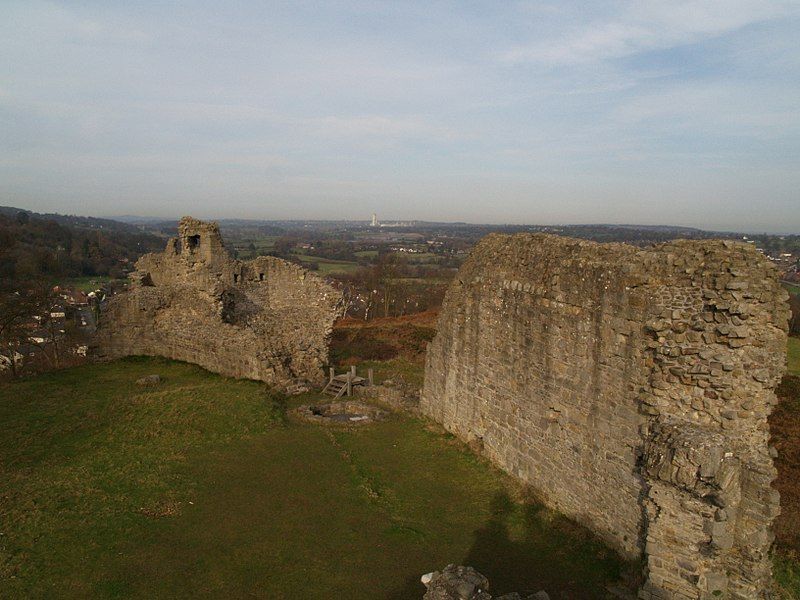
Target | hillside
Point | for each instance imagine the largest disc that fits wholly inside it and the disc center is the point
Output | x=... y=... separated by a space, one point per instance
x=54 y=247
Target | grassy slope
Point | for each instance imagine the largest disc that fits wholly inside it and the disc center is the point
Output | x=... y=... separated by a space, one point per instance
x=784 y=425
x=785 y=430
x=793 y=356
x=199 y=487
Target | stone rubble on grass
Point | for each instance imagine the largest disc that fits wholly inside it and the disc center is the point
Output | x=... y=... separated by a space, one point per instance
x=299 y=386
x=465 y=583
x=148 y=380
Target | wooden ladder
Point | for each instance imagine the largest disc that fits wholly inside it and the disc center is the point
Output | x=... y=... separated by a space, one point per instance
x=342 y=385
x=336 y=388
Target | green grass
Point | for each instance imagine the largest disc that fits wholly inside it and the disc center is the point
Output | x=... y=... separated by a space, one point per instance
x=426 y=280
x=336 y=267
x=327 y=265
x=792 y=288
x=261 y=243
x=423 y=257
x=787 y=575
x=793 y=356
x=397 y=369
x=88 y=283
x=200 y=487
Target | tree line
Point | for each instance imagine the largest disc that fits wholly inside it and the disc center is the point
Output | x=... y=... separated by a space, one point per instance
x=40 y=248
x=37 y=329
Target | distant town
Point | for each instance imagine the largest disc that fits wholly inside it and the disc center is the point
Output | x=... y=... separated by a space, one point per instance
x=383 y=268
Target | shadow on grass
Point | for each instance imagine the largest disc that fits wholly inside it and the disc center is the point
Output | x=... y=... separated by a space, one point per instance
x=526 y=548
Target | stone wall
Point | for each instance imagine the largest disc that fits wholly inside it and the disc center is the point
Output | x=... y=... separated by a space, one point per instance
x=264 y=319
x=631 y=389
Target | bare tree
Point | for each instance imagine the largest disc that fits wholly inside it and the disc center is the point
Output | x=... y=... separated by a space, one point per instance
x=55 y=338
x=387 y=271
x=18 y=310
x=794 y=322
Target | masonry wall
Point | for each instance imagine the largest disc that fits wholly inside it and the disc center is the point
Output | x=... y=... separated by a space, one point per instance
x=264 y=319
x=630 y=388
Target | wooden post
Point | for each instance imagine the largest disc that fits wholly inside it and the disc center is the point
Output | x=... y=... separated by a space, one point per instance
x=350 y=383
x=353 y=371
x=332 y=372
x=369 y=377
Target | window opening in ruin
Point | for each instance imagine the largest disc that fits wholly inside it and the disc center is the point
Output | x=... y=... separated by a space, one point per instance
x=235 y=278
x=261 y=277
x=192 y=242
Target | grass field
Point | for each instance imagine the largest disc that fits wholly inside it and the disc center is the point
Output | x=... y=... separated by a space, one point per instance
x=399 y=370
x=88 y=283
x=200 y=487
x=424 y=257
x=328 y=266
x=793 y=356
x=263 y=245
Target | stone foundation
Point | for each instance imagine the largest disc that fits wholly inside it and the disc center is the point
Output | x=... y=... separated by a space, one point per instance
x=631 y=389
x=347 y=413
x=264 y=319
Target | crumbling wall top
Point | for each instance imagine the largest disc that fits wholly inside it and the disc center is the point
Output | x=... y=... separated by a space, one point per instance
x=263 y=319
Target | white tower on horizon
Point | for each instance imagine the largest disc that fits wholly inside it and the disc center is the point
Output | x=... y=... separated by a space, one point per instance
x=374 y=220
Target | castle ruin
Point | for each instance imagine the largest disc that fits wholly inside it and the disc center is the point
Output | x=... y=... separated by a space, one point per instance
x=630 y=388
x=264 y=319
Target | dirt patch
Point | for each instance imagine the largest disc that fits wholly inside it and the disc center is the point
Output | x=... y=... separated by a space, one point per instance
x=164 y=508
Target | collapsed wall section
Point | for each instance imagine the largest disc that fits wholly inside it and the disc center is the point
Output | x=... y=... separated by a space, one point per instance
x=264 y=319
x=630 y=388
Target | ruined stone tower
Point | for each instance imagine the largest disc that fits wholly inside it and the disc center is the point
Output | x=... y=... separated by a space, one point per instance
x=264 y=319
x=631 y=389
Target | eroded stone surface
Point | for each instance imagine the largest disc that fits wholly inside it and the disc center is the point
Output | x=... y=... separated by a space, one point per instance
x=264 y=319
x=631 y=388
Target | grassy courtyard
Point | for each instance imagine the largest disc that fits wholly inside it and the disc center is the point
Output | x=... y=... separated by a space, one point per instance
x=200 y=487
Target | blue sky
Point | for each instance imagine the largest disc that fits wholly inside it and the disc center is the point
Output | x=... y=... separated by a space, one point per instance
x=677 y=112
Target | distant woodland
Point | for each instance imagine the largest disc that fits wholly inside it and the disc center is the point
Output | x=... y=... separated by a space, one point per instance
x=52 y=247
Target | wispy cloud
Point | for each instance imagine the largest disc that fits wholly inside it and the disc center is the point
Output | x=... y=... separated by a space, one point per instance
x=645 y=26
x=528 y=110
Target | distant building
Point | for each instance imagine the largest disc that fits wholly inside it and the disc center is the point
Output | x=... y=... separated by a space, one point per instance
x=374 y=221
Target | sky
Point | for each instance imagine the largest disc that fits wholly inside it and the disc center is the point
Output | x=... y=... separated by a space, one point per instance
x=675 y=112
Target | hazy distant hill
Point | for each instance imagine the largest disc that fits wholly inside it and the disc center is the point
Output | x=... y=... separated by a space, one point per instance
x=74 y=220
x=231 y=228
x=135 y=220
